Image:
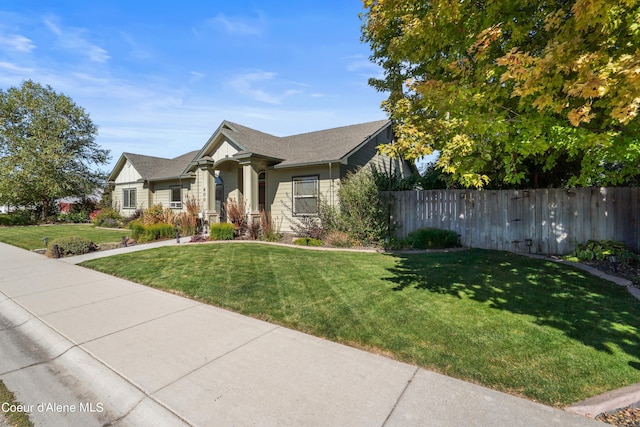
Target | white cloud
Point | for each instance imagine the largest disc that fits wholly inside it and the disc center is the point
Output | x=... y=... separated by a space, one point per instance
x=246 y=84
x=196 y=76
x=136 y=50
x=359 y=63
x=75 y=40
x=15 y=68
x=53 y=27
x=238 y=26
x=17 y=42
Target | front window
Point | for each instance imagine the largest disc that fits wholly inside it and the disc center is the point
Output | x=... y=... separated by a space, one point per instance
x=262 y=190
x=176 y=198
x=129 y=198
x=305 y=195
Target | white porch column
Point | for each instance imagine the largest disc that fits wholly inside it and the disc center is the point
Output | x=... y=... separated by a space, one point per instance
x=211 y=190
x=210 y=209
x=250 y=187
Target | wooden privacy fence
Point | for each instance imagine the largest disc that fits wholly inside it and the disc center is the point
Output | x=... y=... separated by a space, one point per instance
x=543 y=221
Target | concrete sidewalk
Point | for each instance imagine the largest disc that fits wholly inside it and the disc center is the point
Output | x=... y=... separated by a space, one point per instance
x=82 y=348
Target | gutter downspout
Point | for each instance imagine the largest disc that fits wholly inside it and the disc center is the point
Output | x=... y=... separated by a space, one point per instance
x=331 y=185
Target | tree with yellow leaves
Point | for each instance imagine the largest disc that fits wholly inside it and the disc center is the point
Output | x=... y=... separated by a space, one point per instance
x=512 y=91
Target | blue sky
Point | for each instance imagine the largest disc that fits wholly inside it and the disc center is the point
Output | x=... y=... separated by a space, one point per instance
x=159 y=77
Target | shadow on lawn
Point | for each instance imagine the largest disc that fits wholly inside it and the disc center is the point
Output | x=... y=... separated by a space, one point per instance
x=592 y=311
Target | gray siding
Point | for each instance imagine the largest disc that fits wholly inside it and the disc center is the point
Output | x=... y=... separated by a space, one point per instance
x=369 y=156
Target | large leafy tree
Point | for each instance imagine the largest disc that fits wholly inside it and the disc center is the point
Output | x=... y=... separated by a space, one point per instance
x=513 y=91
x=47 y=147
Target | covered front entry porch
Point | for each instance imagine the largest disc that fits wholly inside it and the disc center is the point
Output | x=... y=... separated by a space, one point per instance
x=230 y=180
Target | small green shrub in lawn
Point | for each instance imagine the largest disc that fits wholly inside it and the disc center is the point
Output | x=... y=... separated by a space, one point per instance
x=222 y=231
x=432 y=238
x=307 y=241
x=70 y=245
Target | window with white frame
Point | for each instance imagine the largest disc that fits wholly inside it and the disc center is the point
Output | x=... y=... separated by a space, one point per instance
x=305 y=195
x=129 y=198
x=176 y=198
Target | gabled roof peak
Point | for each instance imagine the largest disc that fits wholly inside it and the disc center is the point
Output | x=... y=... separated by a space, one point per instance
x=322 y=146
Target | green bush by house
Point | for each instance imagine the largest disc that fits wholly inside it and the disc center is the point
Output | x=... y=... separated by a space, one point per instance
x=222 y=231
x=432 y=238
x=602 y=250
x=108 y=218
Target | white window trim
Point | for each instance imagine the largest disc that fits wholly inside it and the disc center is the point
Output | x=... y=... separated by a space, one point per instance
x=175 y=204
x=315 y=195
x=126 y=200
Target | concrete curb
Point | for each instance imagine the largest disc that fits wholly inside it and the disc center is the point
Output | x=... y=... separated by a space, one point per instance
x=99 y=394
x=67 y=353
x=609 y=401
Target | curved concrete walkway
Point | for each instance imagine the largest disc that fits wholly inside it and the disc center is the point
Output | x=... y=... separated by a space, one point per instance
x=82 y=348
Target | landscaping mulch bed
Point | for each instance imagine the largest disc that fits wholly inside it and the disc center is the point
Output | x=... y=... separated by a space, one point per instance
x=627 y=417
x=626 y=271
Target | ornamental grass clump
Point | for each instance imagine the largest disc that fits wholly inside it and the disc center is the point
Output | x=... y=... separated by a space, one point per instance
x=236 y=214
x=158 y=232
x=270 y=228
x=153 y=215
x=338 y=239
x=307 y=241
x=222 y=231
x=150 y=232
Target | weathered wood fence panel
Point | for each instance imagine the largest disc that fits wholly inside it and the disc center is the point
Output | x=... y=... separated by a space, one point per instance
x=545 y=221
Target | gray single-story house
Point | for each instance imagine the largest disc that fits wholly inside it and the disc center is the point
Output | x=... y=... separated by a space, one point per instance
x=285 y=176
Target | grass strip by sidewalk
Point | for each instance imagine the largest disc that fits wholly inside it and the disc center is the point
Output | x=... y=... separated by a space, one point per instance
x=8 y=402
x=524 y=326
x=30 y=237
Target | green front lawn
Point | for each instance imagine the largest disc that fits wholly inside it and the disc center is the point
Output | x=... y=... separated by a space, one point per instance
x=30 y=237
x=524 y=326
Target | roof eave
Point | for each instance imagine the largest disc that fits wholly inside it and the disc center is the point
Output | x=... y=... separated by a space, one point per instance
x=118 y=167
x=367 y=139
x=307 y=164
x=253 y=156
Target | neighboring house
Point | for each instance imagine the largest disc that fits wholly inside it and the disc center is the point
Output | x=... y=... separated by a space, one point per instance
x=286 y=176
x=65 y=204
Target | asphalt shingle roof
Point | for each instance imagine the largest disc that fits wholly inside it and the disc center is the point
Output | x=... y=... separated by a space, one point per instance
x=158 y=168
x=312 y=147
x=306 y=148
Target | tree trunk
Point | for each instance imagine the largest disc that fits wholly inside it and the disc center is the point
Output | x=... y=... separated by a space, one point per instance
x=45 y=209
